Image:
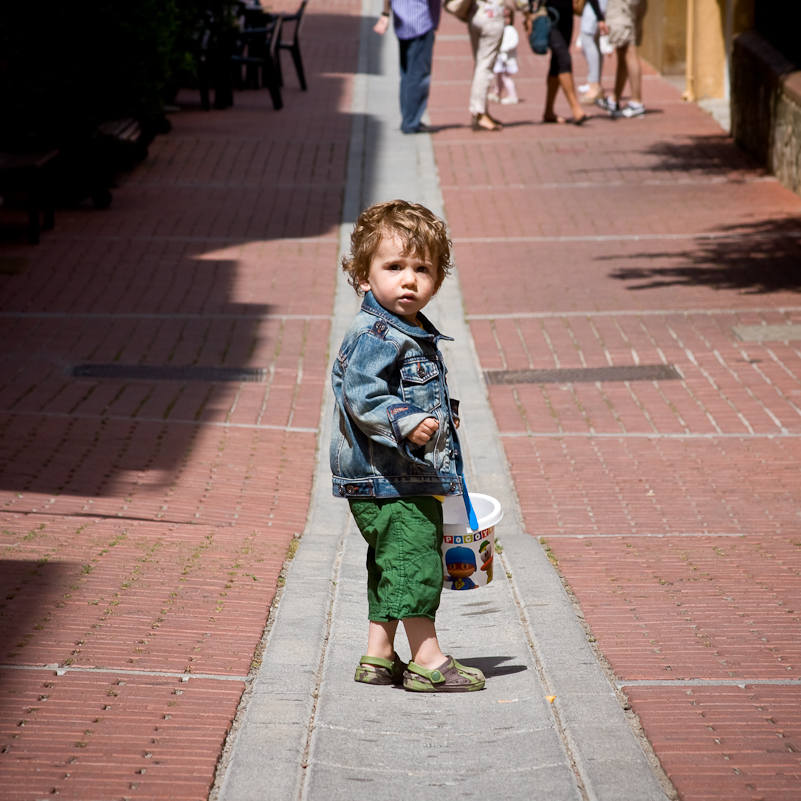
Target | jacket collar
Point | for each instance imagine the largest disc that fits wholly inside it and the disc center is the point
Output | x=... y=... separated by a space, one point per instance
x=429 y=331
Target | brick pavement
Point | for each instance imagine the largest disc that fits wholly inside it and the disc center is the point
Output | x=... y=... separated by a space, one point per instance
x=671 y=508
x=139 y=555
x=144 y=524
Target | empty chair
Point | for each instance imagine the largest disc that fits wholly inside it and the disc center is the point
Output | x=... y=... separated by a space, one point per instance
x=294 y=45
x=255 y=49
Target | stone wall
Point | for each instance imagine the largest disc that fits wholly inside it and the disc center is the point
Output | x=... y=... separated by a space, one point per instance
x=766 y=107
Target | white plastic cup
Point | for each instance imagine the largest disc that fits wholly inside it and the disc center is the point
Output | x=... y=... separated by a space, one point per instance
x=468 y=556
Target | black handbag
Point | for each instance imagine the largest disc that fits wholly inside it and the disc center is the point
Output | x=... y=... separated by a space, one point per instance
x=541 y=22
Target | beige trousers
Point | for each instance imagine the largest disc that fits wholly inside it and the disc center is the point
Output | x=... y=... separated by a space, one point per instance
x=485 y=37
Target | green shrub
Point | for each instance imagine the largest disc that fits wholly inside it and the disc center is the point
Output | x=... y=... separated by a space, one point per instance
x=66 y=67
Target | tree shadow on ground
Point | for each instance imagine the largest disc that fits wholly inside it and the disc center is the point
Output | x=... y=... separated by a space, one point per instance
x=702 y=155
x=759 y=258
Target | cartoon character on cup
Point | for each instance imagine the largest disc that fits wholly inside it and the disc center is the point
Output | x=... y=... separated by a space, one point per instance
x=487 y=554
x=461 y=564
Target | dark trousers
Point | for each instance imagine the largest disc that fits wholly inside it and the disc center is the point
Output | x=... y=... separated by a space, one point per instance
x=415 y=71
x=560 y=38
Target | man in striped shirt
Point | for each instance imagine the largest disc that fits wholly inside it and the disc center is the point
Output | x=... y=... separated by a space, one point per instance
x=415 y=23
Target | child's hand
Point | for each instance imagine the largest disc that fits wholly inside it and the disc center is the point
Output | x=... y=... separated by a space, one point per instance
x=423 y=431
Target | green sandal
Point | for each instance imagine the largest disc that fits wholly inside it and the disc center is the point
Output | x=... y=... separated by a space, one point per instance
x=450 y=677
x=374 y=670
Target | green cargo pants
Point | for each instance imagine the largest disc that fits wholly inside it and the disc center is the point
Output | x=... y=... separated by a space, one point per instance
x=404 y=564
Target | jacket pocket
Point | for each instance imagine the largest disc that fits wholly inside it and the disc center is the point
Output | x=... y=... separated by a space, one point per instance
x=420 y=384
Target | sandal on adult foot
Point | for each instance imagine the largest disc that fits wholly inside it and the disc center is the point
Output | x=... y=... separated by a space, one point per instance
x=483 y=122
x=591 y=95
x=374 y=670
x=450 y=677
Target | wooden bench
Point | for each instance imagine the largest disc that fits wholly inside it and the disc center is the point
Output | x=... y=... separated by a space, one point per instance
x=29 y=174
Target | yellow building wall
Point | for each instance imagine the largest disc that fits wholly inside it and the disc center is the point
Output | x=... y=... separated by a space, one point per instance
x=707 y=70
x=664 y=43
x=693 y=37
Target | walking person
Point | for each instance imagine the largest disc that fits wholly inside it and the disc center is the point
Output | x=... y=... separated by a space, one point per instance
x=486 y=34
x=394 y=449
x=590 y=38
x=415 y=23
x=625 y=19
x=560 y=73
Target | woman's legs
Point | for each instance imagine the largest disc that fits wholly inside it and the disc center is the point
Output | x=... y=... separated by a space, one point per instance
x=590 y=36
x=560 y=74
x=592 y=53
x=563 y=81
x=568 y=86
x=552 y=88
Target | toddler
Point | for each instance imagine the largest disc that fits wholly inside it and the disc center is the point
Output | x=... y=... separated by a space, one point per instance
x=394 y=450
x=506 y=62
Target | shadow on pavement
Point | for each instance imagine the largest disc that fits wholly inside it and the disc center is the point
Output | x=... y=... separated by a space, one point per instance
x=757 y=258
x=492 y=665
x=207 y=244
x=701 y=155
x=30 y=591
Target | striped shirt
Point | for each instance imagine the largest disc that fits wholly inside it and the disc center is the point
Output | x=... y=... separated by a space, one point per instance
x=415 y=17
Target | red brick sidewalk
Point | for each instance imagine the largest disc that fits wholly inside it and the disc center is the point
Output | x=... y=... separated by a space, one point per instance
x=144 y=523
x=673 y=508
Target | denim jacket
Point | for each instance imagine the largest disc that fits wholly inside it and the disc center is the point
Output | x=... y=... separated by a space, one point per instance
x=388 y=377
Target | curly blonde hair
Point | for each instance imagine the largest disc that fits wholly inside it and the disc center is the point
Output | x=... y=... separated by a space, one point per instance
x=422 y=233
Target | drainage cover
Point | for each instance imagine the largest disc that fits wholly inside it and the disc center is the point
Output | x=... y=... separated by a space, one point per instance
x=767 y=333
x=572 y=375
x=149 y=372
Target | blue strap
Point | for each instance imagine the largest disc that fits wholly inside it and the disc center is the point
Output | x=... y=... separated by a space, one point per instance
x=471 y=515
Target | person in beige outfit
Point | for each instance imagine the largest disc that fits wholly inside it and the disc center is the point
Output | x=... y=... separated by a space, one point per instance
x=625 y=18
x=486 y=32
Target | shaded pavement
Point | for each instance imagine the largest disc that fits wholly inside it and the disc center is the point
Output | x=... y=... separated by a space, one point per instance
x=145 y=524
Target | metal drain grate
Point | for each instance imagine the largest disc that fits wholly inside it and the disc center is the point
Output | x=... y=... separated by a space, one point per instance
x=148 y=372
x=573 y=375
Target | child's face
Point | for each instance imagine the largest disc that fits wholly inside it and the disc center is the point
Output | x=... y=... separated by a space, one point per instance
x=401 y=284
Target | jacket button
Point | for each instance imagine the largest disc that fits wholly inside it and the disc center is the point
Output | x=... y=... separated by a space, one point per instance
x=453 y=487
x=342 y=491
x=421 y=371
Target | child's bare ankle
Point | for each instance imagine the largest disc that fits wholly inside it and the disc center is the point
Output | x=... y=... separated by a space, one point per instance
x=381 y=653
x=431 y=664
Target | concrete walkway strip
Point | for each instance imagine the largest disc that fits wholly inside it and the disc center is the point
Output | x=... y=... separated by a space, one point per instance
x=548 y=726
